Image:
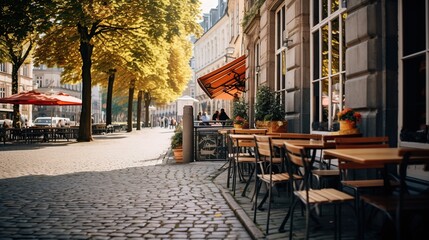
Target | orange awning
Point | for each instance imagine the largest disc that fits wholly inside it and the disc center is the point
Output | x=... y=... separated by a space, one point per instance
x=225 y=82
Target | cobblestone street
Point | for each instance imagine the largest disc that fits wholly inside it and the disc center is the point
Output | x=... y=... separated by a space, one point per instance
x=112 y=188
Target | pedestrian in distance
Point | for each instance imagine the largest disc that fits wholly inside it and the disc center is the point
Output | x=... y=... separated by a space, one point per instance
x=223 y=116
x=215 y=116
x=205 y=118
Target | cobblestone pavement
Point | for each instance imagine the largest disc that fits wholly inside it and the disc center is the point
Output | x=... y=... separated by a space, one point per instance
x=110 y=188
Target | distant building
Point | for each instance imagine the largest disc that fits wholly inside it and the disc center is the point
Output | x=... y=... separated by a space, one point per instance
x=25 y=84
x=210 y=50
x=49 y=79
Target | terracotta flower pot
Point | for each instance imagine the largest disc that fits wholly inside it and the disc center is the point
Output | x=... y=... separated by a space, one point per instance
x=178 y=155
x=347 y=127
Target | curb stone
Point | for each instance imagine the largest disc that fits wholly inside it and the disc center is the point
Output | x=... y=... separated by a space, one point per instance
x=239 y=212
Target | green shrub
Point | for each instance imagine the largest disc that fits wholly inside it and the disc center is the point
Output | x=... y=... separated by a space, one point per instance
x=177 y=138
x=268 y=106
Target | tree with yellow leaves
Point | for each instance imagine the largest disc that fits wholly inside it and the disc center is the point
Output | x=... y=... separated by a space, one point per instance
x=20 y=24
x=86 y=26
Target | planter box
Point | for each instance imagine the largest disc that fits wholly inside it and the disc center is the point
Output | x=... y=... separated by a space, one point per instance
x=273 y=126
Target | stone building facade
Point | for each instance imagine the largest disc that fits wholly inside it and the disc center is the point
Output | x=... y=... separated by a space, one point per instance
x=324 y=55
x=210 y=51
x=25 y=84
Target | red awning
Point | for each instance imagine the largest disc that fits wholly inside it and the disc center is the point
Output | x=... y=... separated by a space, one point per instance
x=225 y=82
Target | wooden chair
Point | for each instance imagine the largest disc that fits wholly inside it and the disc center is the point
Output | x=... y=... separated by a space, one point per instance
x=398 y=207
x=265 y=160
x=236 y=158
x=347 y=167
x=303 y=136
x=329 y=142
x=310 y=197
x=241 y=156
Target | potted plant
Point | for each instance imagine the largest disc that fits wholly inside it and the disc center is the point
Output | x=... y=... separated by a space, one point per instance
x=176 y=144
x=348 y=119
x=240 y=122
x=269 y=111
x=239 y=113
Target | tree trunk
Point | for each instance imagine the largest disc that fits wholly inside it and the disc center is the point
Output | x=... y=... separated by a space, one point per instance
x=139 y=110
x=130 y=105
x=85 y=126
x=109 y=96
x=15 y=85
x=147 y=100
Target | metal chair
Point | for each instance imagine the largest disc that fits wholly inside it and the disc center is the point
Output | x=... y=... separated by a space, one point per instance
x=265 y=160
x=395 y=206
x=298 y=160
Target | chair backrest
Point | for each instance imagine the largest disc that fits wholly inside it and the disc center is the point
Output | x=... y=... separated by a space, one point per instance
x=298 y=136
x=361 y=142
x=412 y=156
x=264 y=153
x=409 y=156
x=297 y=158
x=263 y=146
x=250 y=131
x=329 y=140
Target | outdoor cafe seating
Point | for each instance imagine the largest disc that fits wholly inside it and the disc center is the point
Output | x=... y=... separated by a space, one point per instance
x=38 y=134
x=298 y=159
x=352 y=177
x=399 y=207
x=266 y=162
x=388 y=198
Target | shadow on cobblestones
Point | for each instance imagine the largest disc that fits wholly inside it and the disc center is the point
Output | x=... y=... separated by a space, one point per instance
x=176 y=201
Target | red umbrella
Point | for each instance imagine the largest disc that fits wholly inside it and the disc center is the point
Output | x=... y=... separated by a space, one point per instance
x=65 y=99
x=30 y=97
x=37 y=98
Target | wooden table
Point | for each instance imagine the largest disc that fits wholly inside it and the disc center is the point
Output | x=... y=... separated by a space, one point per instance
x=308 y=144
x=373 y=156
x=367 y=155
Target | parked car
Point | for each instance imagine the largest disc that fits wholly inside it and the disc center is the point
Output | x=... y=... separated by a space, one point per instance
x=50 y=121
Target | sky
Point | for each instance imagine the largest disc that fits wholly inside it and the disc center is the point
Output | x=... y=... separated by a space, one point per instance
x=206 y=5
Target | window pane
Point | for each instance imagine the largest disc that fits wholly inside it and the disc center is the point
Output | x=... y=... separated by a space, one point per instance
x=325 y=100
x=335 y=97
x=334 y=5
x=414 y=33
x=283 y=19
x=316 y=52
x=414 y=93
x=279 y=34
x=335 y=63
x=325 y=50
x=278 y=71
x=325 y=9
x=315 y=12
x=343 y=41
x=316 y=99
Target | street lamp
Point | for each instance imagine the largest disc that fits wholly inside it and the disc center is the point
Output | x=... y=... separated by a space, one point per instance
x=228 y=53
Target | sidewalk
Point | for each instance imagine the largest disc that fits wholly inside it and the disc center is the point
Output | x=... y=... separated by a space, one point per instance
x=115 y=187
x=127 y=186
